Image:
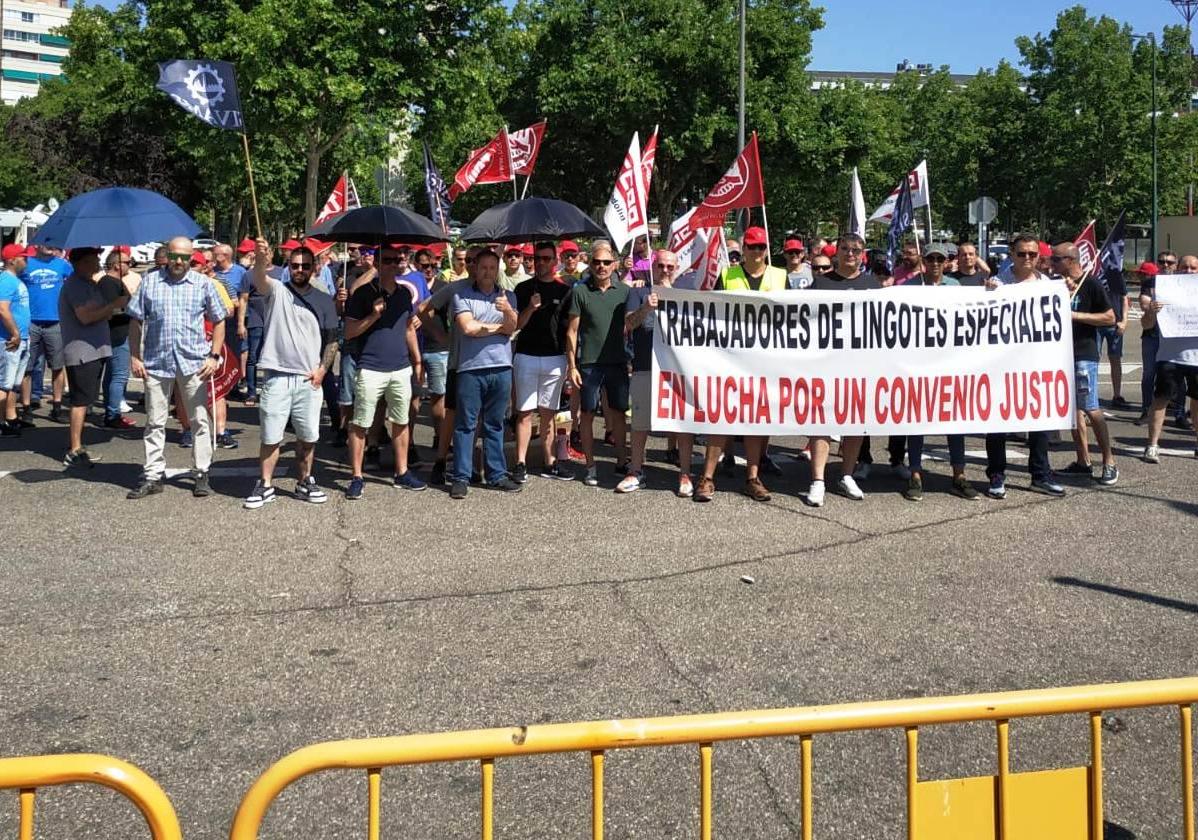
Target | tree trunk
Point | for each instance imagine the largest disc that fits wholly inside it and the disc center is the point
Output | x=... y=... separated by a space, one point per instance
x=311 y=181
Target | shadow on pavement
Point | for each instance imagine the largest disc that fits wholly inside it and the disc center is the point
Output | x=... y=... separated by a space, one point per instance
x=1145 y=597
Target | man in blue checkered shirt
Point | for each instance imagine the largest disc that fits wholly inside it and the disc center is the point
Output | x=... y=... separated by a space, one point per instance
x=169 y=349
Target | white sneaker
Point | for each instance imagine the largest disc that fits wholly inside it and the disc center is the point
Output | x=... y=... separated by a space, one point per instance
x=862 y=472
x=629 y=483
x=1152 y=454
x=815 y=495
x=902 y=471
x=125 y=407
x=592 y=477
x=848 y=487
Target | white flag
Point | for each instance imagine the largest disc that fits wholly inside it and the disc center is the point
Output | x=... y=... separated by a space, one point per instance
x=627 y=215
x=921 y=193
x=857 y=207
x=702 y=253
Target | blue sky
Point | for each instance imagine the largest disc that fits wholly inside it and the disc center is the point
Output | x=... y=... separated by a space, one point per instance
x=964 y=34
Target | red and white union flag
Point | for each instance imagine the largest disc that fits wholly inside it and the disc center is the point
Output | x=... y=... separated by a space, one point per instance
x=626 y=216
x=740 y=187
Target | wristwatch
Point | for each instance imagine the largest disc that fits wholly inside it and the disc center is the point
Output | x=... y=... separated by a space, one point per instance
x=214 y=357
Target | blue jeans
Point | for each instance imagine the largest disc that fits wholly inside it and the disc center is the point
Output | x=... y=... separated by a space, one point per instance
x=116 y=377
x=254 y=348
x=956 y=451
x=484 y=392
x=1037 y=455
x=36 y=371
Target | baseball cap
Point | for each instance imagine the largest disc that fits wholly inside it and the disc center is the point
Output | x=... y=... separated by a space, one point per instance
x=1148 y=269
x=527 y=249
x=31 y=251
x=937 y=248
x=755 y=236
x=121 y=249
x=1045 y=249
x=567 y=246
x=792 y=245
x=198 y=258
x=246 y=246
x=828 y=251
x=12 y=251
x=290 y=245
x=514 y=248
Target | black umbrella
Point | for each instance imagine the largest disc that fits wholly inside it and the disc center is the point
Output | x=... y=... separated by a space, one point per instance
x=530 y=220
x=377 y=225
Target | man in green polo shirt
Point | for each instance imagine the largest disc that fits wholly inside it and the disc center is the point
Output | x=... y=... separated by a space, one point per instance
x=595 y=353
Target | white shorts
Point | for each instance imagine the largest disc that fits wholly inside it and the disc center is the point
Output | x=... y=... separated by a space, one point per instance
x=640 y=394
x=288 y=396
x=539 y=381
x=370 y=386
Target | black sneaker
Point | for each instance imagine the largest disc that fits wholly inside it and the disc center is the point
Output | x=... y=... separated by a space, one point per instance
x=8 y=429
x=458 y=490
x=146 y=487
x=520 y=474
x=309 y=491
x=25 y=418
x=225 y=441
x=56 y=413
x=81 y=458
x=507 y=485
x=202 y=488
x=1078 y=468
x=558 y=472
x=914 y=491
x=1120 y=403
x=438 y=474
x=1048 y=486
x=261 y=495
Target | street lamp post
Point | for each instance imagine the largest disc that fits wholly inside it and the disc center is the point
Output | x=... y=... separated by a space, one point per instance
x=1156 y=209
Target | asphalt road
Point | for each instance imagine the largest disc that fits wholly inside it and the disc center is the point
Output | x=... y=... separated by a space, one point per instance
x=203 y=642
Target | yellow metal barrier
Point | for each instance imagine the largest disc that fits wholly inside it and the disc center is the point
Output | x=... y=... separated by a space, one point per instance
x=1061 y=804
x=29 y=773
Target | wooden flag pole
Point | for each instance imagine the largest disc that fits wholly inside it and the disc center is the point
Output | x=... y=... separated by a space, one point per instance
x=765 y=221
x=249 y=168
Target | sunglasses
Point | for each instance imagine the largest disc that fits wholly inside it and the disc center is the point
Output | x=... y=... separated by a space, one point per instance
x=822 y=267
x=1027 y=255
x=425 y=266
x=173 y=256
x=301 y=266
x=1168 y=262
x=935 y=258
x=604 y=262
x=850 y=250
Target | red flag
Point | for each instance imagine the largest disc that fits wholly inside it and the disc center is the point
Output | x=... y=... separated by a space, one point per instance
x=1087 y=249
x=648 y=156
x=740 y=187
x=492 y=164
x=526 y=145
x=335 y=205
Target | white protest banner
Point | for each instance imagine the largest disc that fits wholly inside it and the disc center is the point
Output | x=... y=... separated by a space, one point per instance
x=918 y=360
x=1178 y=317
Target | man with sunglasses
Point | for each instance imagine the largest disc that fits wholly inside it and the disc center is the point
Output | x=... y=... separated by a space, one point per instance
x=117 y=281
x=169 y=351
x=1025 y=256
x=753 y=274
x=571 y=271
x=595 y=353
x=819 y=265
x=512 y=273
x=1167 y=262
x=848 y=273
x=798 y=274
x=378 y=314
x=299 y=345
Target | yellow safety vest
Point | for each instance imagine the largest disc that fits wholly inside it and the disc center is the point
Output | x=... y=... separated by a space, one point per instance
x=734 y=279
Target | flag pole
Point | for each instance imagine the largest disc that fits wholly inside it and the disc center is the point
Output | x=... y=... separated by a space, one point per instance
x=765 y=220
x=507 y=142
x=526 y=180
x=249 y=168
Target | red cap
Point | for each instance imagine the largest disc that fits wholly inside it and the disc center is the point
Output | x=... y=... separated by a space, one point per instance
x=1045 y=249
x=31 y=251
x=755 y=236
x=246 y=246
x=290 y=245
x=828 y=251
x=514 y=248
x=567 y=246
x=121 y=249
x=12 y=251
x=793 y=245
x=198 y=258
x=1148 y=269
x=527 y=249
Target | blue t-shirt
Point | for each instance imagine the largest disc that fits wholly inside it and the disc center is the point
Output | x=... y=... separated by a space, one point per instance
x=44 y=281
x=488 y=351
x=384 y=347
x=231 y=278
x=14 y=291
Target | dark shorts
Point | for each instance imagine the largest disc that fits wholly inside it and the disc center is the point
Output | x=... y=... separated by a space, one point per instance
x=451 y=390
x=612 y=379
x=1176 y=382
x=84 y=381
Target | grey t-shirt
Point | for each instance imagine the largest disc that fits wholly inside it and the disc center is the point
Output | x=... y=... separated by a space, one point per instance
x=442 y=299
x=82 y=343
x=484 y=351
x=295 y=328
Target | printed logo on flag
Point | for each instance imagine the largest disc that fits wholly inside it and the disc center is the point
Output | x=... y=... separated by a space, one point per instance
x=1088 y=256
x=205 y=89
x=730 y=187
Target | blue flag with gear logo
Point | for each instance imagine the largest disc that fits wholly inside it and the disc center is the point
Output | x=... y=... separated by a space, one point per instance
x=205 y=89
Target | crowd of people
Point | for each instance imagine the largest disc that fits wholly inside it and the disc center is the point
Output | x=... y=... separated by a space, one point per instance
x=505 y=343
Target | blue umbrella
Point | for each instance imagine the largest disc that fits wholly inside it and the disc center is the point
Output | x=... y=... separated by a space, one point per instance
x=115 y=216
